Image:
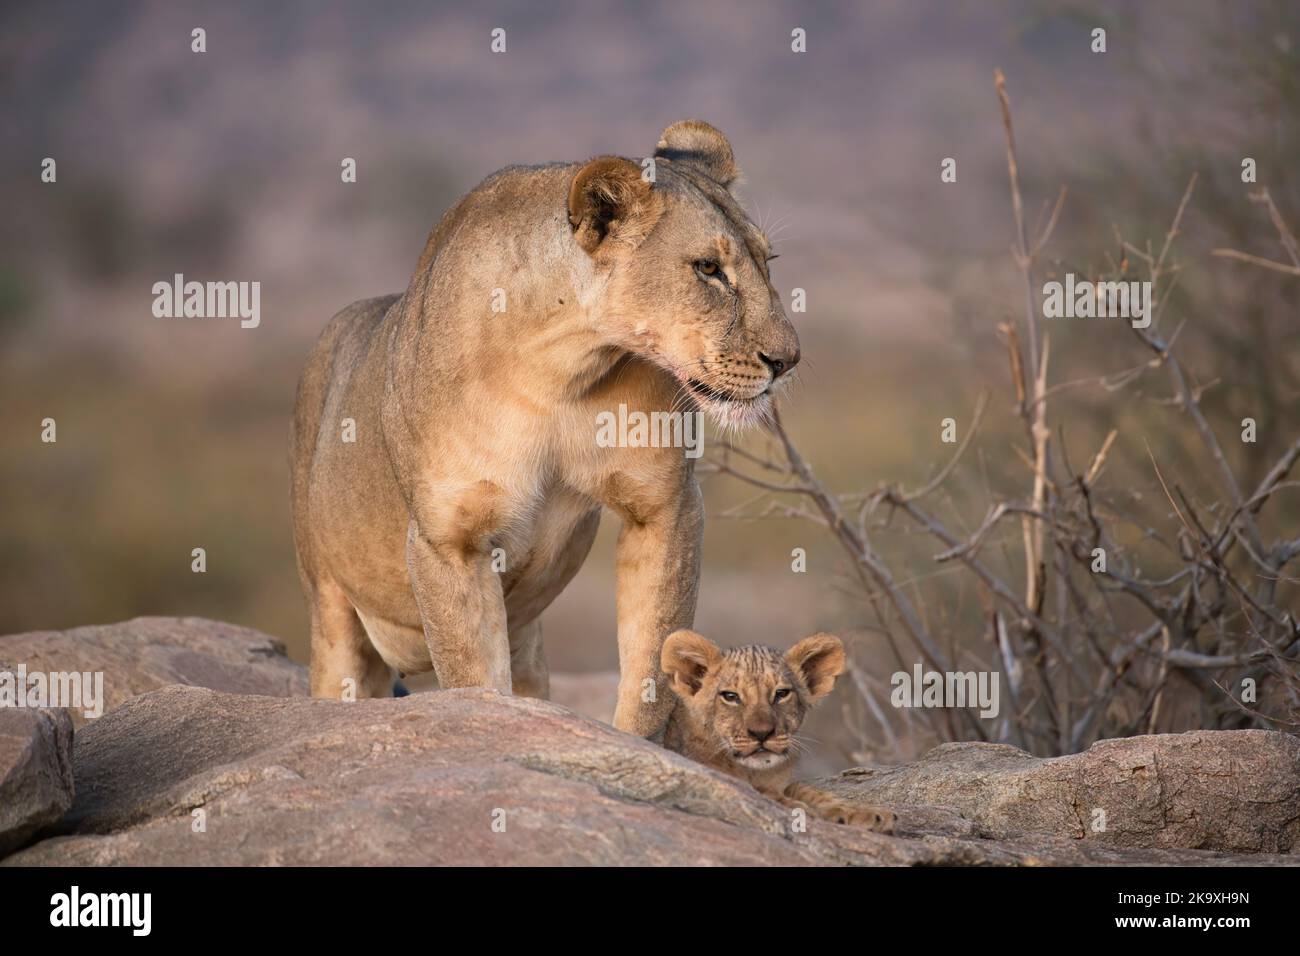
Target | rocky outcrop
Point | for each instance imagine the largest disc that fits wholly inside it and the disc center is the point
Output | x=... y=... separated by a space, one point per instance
x=35 y=771
x=1232 y=790
x=457 y=777
x=146 y=653
x=461 y=776
x=248 y=770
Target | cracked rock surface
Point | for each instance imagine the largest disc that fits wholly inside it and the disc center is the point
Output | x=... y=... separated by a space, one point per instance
x=1231 y=790
x=247 y=770
x=461 y=777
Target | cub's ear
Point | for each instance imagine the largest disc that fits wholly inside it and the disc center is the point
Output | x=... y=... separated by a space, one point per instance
x=686 y=658
x=609 y=203
x=818 y=660
x=698 y=144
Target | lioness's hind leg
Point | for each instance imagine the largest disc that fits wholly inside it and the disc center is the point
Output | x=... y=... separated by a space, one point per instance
x=343 y=661
x=529 y=676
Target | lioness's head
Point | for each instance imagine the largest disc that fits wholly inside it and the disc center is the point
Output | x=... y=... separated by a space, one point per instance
x=749 y=702
x=687 y=283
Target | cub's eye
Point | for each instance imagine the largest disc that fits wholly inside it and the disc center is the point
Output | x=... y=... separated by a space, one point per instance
x=709 y=269
x=730 y=696
x=781 y=694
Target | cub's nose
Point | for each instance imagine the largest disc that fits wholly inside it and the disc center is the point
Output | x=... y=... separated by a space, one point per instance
x=780 y=364
x=761 y=733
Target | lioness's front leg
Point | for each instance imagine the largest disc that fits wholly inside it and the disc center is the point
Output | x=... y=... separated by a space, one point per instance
x=658 y=582
x=462 y=610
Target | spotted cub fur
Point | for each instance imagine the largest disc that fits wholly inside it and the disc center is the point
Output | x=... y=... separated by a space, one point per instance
x=741 y=709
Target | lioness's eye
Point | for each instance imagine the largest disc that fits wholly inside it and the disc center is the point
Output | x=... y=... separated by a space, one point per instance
x=706 y=267
x=730 y=696
x=781 y=694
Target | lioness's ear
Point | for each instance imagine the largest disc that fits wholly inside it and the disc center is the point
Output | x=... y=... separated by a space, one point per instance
x=609 y=201
x=818 y=660
x=686 y=658
x=698 y=144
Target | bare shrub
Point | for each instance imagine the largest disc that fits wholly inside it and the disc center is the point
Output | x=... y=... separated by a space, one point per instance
x=1188 y=624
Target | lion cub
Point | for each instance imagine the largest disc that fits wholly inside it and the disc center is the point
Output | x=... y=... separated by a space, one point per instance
x=740 y=710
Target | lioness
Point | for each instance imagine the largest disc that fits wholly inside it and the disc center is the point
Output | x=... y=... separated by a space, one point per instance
x=741 y=709
x=469 y=492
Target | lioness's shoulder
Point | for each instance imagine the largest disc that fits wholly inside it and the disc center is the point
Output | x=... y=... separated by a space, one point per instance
x=512 y=199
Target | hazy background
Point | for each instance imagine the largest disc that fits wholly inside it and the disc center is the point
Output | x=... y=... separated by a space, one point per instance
x=225 y=166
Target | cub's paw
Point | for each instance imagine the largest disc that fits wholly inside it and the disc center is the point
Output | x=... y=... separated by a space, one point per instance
x=873 y=818
x=829 y=808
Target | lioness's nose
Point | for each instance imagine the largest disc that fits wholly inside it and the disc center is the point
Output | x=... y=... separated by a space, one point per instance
x=780 y=364
x=760 y=733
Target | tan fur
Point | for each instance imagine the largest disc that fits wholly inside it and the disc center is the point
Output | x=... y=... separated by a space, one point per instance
x=476 y=430
x=741 y=710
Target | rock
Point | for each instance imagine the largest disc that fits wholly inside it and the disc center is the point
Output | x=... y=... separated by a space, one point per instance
x=1235 y=791
x=430 y=779
x=150 y=652
x=35 y=771
x=282 y=778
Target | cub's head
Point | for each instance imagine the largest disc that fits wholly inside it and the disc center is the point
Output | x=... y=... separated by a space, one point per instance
x=748 y=702
x=686 y=272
